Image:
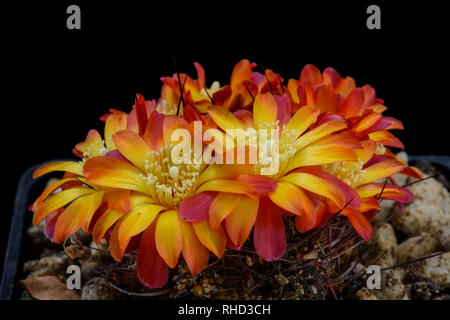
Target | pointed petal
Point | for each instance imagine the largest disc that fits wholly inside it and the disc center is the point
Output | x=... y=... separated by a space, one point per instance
x=153 y=135
x=68 y=223
x=221 y=207
x=195 y=209
x=317 y=185
x=264 y=110
x=325 y=99
x=361 y=224
x=386 y=138
x=57 y=201
x=50 y=223
x=368 y=150
x=230 y=186
x=240 y=221
x=136 y=221
x=302 y=119
x=291 y=198
x=132 y=147
x=269 y=237
x=68 y=166
x=242 y=71
x=115 y=122
x=118 y=199
x=283 y=109
x=321 y=131
x=90 y=204
x=194 y=252
x=261 y=184
x=106 y=220
x=381 y=170
x=50 y=189
x=214 y=240
x=222 y=171
x=168 y=237
x=151 y=269
x=224 y=118
x=353 y=104
x=114 y=173
x=321 y=154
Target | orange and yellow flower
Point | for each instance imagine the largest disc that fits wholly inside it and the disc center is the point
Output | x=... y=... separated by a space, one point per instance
x=127 y=189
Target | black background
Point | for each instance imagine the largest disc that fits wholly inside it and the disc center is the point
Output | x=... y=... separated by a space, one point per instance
x=59 y=81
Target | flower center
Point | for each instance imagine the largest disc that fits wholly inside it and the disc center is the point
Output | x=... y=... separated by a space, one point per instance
x=284 y=151
x=170 y=183
x=350 y=172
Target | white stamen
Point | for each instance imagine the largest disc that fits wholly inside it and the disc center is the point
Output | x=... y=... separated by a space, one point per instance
x=173 y=172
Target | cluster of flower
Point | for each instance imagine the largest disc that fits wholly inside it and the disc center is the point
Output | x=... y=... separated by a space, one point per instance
x=128 y=189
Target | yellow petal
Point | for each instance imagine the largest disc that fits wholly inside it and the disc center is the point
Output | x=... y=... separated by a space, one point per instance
x=214 y=240
x=222 y=171
x=381 y=170
x=136 y=221
x=133 y=147
x=224 y=118
x=240 y=221
x=264 y=110
x=291 y=198
x=58 y=201
x=90 y=204
x=68 y=166
x=302 y=119
x=194 y=252
x=168 y=237
x=230 y=186
x=321 y=154
x=317 y=185
x=321 y=131
x=221 y=207
x=114 y=173
x=108 y=218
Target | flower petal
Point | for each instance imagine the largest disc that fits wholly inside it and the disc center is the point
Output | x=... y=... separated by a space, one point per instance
x=264 y=110
x=381 y=170
x=261 y=184
x=214 y=240
x=106 y=220
x=291 y=198
x=230 y=186
x=90 y=204
x=269 y=237
x=195 y=209
x=353 y=104
x=68 y=166
x=57 y=201
x=361 y=224
x=136 y=221
x=386 y=138
x=114 y=173
x=321 y=154
x=224 y=118
x=240 y=221
x=168 y=237
x=132 y=147
x=319 y=132
x=242 y=71
x=317 y=185
x=302 y=120
x=221 y=207
x=151 y=269
x=194 y=252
